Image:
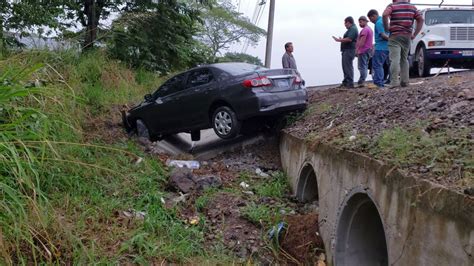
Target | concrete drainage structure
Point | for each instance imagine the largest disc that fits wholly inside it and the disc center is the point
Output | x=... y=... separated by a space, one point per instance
x=372 y=214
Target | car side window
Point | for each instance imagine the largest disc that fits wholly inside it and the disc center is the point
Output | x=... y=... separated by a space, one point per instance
x=199 y=77
x=171 y=86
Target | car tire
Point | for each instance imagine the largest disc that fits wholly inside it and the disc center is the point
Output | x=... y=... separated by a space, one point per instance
x=225 y=123
x=142 y=130
x=423 y=63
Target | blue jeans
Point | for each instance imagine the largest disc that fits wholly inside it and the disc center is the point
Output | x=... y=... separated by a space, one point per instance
x=378 y=61
x=363 y=64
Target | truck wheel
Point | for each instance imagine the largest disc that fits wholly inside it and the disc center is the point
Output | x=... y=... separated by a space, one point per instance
x=225 y=123
x=142 y=130
x=423 y=63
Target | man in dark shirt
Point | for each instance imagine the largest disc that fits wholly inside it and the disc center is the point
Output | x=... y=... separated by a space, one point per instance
x=402 y=15
x=348 y=50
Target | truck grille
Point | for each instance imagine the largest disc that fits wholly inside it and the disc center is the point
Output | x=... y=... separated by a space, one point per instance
x=462 y=33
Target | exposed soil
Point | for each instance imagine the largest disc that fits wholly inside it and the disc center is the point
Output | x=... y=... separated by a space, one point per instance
x=107 y=128
x=227 y=225
x=249 y=240
x=433 y=106
x=302 y=240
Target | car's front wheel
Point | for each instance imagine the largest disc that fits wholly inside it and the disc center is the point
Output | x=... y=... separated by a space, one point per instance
x=423 y=63
x=225 y=123
x=142 y=130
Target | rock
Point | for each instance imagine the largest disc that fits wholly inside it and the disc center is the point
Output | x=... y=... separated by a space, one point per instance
x=467 y=93
x=437 y=121
x=183 y=179
x=459 y=105
x=435 y=106
x=205 y=182
x=469 y=191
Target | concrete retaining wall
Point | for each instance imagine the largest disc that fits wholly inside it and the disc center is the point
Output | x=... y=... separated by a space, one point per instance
x=371 y=214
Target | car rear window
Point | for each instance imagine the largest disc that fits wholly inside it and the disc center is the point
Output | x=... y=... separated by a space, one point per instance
x=236 y=69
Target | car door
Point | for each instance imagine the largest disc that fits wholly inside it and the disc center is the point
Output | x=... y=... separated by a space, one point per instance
x=197 y=96
x=163 y=114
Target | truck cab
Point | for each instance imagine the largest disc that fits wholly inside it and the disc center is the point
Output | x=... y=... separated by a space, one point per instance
x=447 y=34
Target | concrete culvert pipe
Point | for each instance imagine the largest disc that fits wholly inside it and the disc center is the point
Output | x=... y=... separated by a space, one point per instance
x=360 y=238
x=307 y=190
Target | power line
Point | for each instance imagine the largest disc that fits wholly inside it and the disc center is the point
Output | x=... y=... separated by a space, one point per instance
x=257 y=14
x=261 y=14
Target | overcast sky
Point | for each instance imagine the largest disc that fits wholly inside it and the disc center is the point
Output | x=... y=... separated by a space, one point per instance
x=309 y=24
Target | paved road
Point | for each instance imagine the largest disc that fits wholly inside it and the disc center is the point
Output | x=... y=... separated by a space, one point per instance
x=208 y=147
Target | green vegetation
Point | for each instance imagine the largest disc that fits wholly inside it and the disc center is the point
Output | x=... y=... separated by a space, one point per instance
x=278 y=186
x=258 y=214
x=65 y=181
x=443 y=153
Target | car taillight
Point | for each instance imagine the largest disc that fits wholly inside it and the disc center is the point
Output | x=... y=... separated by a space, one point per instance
x=257 y=82
x=298 y=80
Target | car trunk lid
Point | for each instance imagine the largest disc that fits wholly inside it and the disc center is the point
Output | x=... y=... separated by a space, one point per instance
x=282 y=79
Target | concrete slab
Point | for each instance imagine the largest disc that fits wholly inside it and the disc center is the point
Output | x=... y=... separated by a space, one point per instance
x=208 y=147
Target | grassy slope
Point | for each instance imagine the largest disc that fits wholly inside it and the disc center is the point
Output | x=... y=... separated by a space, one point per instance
x=62 y=190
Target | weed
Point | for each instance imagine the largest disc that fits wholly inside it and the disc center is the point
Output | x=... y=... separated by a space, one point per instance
x=62 y=198
x=258 y=214
x=275 y=187
x=202 y=201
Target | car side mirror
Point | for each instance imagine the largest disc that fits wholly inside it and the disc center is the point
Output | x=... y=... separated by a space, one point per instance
x=148 y=98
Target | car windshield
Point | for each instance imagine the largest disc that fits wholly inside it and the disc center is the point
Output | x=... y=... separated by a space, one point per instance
x=236 y=69
x=434 y=17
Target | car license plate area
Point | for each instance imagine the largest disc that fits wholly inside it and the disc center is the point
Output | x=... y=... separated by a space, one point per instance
x=467 y=53
x=281 y=84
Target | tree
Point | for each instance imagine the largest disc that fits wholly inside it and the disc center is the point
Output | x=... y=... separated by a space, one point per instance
x=26 y=16
x=223 y=26
x=241 y=57
x=90 y=12
x=161 y=39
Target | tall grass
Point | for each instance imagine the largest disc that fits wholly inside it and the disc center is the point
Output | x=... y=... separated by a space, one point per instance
x=62 y=192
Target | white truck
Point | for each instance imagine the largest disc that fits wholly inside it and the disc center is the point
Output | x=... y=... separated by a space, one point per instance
x=447 y=34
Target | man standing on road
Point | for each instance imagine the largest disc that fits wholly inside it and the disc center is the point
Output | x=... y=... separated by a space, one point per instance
x=348 y=49
x=288 y=61
x=364 y=49
x=380 y=57
x=401 y=15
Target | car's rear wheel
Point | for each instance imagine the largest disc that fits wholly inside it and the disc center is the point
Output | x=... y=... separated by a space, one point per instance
x=142 y=130
x=225 y=123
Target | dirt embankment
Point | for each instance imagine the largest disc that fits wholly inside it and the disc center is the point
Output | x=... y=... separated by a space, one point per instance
x=426 y=129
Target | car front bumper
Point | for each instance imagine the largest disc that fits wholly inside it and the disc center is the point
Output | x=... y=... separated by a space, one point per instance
x=454 y=54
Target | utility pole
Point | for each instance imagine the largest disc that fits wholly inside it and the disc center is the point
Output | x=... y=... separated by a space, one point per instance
x=271 y=19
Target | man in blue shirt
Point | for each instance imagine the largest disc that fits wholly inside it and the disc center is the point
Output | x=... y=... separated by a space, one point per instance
x=381 y=55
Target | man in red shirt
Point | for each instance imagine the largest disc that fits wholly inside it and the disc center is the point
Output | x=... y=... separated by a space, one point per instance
x=401 y=15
